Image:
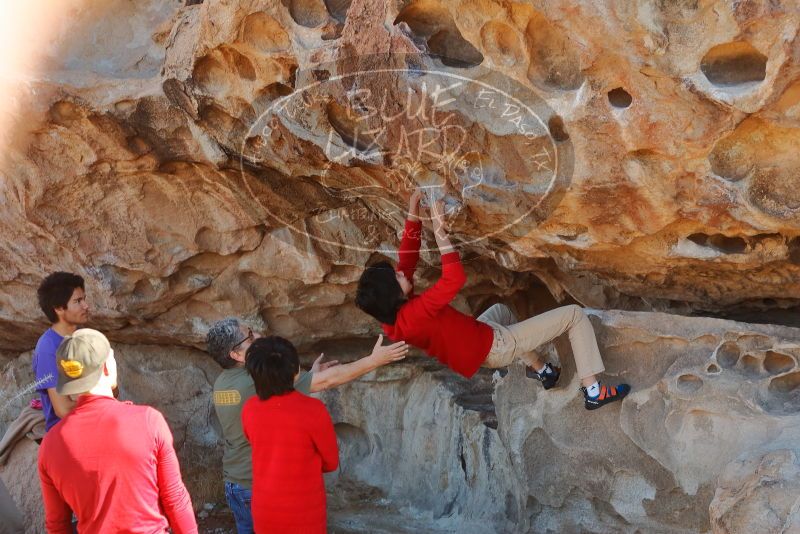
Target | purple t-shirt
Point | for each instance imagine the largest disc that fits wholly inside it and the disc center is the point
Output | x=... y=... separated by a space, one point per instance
x=44 y=367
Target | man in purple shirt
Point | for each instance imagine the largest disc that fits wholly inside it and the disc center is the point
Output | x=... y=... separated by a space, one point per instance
x=63 y=301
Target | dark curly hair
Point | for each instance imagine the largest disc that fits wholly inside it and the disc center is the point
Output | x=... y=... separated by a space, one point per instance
x=55 y=292
x=220 y=340
x=379 y=293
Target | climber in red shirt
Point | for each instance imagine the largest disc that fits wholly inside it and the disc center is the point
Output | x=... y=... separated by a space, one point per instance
x=292 y=442
x=461 y=342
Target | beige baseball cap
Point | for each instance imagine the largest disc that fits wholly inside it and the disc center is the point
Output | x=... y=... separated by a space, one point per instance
x=80 y=358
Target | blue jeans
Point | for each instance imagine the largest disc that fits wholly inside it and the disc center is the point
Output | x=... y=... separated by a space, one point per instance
x=239 y=502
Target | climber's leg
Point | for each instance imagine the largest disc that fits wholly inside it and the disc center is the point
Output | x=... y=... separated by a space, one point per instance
x=499 y=317
x=545 y=327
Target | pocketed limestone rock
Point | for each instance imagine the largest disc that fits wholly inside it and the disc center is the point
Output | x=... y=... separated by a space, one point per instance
x=499 y=454
x=759 y=494
x=142 y=148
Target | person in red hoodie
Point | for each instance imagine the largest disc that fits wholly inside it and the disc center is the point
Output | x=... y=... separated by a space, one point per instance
x=110 y=462
x=462 y=342
x=292 y=441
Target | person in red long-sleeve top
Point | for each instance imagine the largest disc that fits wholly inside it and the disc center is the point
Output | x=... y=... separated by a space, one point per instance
x=462 y=342
x=109 y=462
x=292 y=441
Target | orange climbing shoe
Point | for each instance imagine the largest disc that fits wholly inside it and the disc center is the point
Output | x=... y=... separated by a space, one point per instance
x=607 y=394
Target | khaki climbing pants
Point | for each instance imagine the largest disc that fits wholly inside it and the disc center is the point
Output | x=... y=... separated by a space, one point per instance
x=517 y=340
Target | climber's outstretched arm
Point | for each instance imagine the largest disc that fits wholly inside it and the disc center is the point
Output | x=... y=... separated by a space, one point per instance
x=440 y=228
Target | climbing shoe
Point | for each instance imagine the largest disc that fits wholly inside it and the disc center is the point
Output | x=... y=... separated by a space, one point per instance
x=548 y=377
x=607 y=394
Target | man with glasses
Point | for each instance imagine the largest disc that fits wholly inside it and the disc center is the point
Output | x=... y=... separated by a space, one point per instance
x=227 y=342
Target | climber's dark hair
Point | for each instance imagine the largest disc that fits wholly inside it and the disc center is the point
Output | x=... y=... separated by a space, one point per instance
x=272 y=363
x=379 y=293
x=55 y=292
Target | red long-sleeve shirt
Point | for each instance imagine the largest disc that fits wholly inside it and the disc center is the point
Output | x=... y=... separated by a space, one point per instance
x=113 y=464
x=293 y=443
x=428 y=321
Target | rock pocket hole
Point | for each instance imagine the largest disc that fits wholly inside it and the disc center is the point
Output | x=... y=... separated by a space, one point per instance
x=432 y=23
x=689 y=383
x=338 y=9
x=776 y=363
x=308 y=13
x=557 y=129
x=211 y=75
x=620 y=98
x=699 y=239
x=64 y=112
x=713 y=369
x=728 y=354
x=347 y=125
x=244 y=67
x=502 y=43
x=732 y=158
x=275 y=90
x=719 y=242
x=783 y=394
x=786 y=383
x=264 y=33
x=453 y=50
x=750 y=364
x=424 y=18
x=554 y=59
x=734 y=63
x=145 y=288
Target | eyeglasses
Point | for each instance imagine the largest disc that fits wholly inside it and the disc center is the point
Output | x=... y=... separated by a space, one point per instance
x=249 y=337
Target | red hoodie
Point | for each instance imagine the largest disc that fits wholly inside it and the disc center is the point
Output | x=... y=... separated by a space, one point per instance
x=428 y=322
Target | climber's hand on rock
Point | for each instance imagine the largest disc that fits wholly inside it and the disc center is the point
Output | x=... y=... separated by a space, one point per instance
x=413 y=205
x=440 y=227
x=389 y=353
x=319 y=365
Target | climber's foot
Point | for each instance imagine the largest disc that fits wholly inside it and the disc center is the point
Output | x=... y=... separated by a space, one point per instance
x=607 y=394
x=548 y=377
